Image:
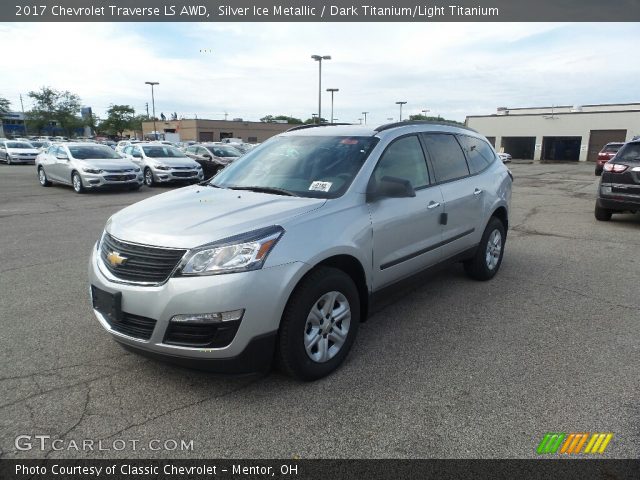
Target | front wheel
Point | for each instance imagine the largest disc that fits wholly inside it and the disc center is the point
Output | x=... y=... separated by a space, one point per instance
x=8 y=159
x=319 y=324
x=149 y=181
x=42 y=177
x=488 y=258
x=76 y=181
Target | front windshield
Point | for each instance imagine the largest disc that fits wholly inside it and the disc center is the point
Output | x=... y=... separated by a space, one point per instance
x=220 y=151
x=162 y=151
x=19 y=145
x=93 y=152
x=313 y=166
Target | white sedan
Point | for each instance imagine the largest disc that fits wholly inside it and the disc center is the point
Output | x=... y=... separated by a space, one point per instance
x=18 y=152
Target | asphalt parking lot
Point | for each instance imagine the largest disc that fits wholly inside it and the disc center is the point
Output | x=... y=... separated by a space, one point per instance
x=452 y=369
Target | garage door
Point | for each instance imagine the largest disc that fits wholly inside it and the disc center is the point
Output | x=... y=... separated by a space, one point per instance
x=599 y=138
x=206 y=136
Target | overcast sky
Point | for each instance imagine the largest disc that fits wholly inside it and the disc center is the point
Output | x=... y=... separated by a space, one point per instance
x=250 y=69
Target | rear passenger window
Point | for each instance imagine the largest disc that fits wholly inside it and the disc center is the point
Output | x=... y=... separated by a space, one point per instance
x=447 y=157
x=404 y=159
x=479 y=153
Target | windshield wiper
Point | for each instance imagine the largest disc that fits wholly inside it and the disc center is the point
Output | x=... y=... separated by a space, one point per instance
x=274 y=190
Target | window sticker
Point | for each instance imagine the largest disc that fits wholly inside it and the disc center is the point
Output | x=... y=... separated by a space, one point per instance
x=320 y=186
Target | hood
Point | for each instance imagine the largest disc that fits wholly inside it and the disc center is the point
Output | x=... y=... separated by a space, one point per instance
x=29 y=151
x=197 y=215
x=109 y=164
x=176 y=162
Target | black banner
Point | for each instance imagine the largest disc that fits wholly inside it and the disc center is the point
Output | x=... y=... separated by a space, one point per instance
x=318 y=469
x=317 y=11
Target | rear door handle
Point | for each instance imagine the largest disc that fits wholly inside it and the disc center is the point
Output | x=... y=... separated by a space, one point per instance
x=433 y=205
x=477 y=191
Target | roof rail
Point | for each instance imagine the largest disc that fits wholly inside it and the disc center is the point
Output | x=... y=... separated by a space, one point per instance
x=313 y=125
x=422 y=122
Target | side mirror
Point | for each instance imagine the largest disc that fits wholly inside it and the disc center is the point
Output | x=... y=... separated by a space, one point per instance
x=390 y=187
x=206 y=157
x=62 y=157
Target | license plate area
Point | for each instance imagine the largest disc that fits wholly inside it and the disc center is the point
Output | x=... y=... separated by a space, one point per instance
x=108 y=304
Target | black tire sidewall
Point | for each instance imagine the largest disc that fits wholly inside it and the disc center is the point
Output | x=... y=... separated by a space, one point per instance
x=293 y=357
x=148 y=170
x=477 y=267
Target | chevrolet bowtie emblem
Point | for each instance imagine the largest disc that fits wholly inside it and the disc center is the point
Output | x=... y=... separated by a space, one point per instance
x=115 y=259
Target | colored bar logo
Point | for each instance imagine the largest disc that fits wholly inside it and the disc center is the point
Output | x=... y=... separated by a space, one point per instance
x=573 y=443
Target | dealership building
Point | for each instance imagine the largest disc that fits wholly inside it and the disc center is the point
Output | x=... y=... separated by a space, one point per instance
x=201 y=130
x=559 y=133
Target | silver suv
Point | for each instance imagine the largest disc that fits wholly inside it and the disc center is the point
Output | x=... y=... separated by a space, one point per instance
x=280 y=255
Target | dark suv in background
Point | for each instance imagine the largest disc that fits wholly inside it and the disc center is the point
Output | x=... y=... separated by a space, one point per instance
x=619 y=190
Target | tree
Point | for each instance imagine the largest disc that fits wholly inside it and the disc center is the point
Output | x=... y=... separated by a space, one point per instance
x=315 y=120
x=289 y=120
x=52 y=105
x=4 y=105
x=119 y=118
x=433 y=119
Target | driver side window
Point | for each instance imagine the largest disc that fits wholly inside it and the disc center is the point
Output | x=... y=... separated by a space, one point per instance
x=404 y=159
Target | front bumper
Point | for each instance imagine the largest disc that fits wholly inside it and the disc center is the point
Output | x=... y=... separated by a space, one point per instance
x=97 y=180
x=21 y=159
x=261 y=293
x=175 y=175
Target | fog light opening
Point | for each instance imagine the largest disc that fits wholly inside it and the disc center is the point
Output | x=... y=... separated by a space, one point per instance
x=209 y=318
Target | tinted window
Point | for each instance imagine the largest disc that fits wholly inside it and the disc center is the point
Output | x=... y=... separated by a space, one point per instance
x=162 y=151
x=611 y=148
x=86 y=152
x=479 y=153
x=403 y=159
x=629 y=153
x=447 y=157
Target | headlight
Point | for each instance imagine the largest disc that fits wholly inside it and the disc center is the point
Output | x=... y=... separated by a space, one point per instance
x=235 y=254
x=92 y=170
x=163 y=167
x=137 y=170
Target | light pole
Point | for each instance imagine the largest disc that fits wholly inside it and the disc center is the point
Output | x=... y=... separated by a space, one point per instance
x=360 y=120
x=365 y=117
x=425 y=111
x=314 y=116
x=319 y=58
x=401 y=103
x=332 y=90
x=153 y=106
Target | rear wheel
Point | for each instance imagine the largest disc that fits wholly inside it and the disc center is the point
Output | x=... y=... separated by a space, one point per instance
x=488 y=258
x=42 y=177
x=319 y=324
x=603 y=214
x=76 y=181
x=149 y=181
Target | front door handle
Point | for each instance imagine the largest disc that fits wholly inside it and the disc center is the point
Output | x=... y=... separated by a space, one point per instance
x=433 y=205
x=477 y=191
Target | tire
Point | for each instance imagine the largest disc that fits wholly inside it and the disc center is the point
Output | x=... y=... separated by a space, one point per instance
x=149 y=181
x=76 y=183
x=488 y=258
x=598 y=173
x=42 y=177
x=7 y=159
x=602 y=214
x=300 y=351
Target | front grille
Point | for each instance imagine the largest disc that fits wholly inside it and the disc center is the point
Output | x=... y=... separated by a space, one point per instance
x=143 y=263
x=216 y=335
x=133 y=325
x=182 y=168
x=121 y=178
x=184 y=174
x=129 y=170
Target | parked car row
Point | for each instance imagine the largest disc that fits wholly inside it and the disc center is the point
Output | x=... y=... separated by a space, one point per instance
x=87 y=166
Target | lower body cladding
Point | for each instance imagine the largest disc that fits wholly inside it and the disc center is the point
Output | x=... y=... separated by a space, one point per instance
x=223 y=323
x=613 y=197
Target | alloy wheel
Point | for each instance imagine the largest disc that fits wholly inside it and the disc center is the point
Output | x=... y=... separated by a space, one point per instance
x=327 y=326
